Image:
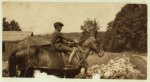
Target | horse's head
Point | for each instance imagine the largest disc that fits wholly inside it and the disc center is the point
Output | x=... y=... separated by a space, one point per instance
x=92 y=45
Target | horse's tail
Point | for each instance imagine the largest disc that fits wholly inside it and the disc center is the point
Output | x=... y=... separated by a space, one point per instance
x=12 y=64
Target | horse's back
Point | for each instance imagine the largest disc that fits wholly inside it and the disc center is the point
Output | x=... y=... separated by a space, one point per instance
x=44 y=57
x=62 y=57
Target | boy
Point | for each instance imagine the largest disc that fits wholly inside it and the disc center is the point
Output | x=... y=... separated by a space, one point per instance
x=60 y=42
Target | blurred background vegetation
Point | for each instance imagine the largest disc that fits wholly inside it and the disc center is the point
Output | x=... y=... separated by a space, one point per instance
x=127 y=32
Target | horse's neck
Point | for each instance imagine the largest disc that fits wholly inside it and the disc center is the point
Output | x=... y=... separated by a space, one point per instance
x=88 y=41
x=86 y=51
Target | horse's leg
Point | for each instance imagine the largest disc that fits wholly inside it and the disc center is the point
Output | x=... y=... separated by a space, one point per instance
x=12 y=64
x=69 y=75
x=28 y=72
x=22 y=73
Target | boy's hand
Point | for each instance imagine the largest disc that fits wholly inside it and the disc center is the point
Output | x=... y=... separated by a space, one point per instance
x=76 y=41
x=71 y=43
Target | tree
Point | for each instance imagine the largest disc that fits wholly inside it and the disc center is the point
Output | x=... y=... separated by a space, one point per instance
x=129 y=28
x=12 y=26
x=5 y=25
x=91 y=27
x=108 y=37
x=110 y=24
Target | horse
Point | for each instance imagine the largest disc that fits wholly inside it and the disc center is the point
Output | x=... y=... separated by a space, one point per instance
x=46 y=59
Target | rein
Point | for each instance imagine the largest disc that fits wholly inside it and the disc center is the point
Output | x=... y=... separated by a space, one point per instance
x=83 y=58
x=90 y=42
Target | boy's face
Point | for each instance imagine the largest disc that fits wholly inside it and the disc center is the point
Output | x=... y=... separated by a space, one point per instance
x=59 y=28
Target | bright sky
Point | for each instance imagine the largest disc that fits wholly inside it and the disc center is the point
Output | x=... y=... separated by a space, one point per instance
x=39 y=17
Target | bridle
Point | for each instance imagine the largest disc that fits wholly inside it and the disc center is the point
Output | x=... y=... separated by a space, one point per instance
x=91 y=42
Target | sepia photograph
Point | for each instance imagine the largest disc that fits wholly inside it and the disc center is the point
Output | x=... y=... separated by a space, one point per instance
x=74 y=40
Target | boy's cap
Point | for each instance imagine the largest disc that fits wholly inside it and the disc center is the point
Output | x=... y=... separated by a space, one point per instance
x=58 y=24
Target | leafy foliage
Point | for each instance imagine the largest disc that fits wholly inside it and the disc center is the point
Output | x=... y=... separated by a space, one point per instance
x=90 y=27
x=12 y=26
x=129 y=29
